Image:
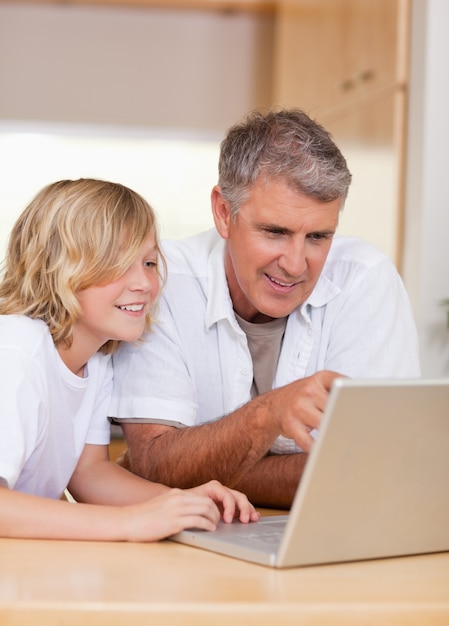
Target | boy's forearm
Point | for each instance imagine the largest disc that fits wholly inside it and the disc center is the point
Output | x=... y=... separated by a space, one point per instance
x=108 y=484
x=26 y=516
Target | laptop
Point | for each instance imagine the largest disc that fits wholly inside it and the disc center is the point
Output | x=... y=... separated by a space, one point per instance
x=376 y=483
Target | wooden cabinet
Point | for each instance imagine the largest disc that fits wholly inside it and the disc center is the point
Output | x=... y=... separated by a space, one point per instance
x=345 y=63
x=335 y=56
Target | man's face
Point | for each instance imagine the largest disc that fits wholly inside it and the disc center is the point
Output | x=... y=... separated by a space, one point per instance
x=275 y=249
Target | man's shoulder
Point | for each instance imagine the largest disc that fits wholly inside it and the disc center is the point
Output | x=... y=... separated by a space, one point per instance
x=355 y=251
x=352 y=261
x=189 y=255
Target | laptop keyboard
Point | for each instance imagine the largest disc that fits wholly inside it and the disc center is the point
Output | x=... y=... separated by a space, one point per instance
x=269 y=537
x=263 y=534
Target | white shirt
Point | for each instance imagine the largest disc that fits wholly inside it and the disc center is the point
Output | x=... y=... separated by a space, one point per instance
x=196 y=367
x=47 y=413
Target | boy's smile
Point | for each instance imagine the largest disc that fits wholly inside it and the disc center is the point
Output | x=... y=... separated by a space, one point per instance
x=116 y=310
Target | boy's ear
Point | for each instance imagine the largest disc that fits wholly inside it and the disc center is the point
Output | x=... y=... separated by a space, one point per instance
x=221 y=212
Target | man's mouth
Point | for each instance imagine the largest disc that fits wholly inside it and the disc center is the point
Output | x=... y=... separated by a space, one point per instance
x=279 y=282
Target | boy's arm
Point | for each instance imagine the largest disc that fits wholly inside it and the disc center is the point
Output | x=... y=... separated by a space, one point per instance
x=118 y=506
x=98 y=481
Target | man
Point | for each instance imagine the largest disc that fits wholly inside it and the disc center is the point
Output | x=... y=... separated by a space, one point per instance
x=257 y=319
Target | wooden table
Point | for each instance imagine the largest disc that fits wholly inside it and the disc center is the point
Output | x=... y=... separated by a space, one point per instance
x=44 y=583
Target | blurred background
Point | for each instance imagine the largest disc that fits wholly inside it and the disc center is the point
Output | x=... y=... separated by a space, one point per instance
x=142 y=91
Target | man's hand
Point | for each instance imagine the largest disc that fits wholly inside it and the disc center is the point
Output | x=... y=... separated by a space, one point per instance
x=297 y=408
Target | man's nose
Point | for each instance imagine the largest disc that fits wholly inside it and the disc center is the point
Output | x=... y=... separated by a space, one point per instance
x=293 y=260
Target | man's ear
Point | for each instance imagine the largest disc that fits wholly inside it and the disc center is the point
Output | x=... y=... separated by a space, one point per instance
x=221 y=212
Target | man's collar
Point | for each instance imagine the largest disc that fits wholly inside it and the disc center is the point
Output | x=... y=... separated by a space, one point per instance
x=325 y=291
x=219 y=304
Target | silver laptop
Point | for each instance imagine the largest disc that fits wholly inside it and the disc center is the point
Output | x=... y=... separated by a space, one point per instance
x=376 y=483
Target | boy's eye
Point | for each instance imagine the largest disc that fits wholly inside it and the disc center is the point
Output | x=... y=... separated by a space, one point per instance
x=150 y=263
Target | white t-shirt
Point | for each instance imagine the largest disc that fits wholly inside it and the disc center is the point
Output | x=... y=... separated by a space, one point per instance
x=47 y=413
x=195 y=366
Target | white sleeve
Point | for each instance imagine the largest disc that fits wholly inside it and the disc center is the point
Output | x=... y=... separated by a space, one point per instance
x=22 y=391
x=99 y=429
x=373 y=334
x=152 y=378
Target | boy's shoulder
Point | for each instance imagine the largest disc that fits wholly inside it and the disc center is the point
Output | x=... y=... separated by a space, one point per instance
x=22 y=331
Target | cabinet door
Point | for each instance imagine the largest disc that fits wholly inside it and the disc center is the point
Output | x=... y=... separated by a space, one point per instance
x=344 y=63
x=332 y=54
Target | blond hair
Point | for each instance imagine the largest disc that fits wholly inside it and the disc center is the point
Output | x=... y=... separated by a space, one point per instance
x=72 y=235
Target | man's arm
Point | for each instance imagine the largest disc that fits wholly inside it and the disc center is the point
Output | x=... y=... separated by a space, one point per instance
x=234 y=449
x=270 y=482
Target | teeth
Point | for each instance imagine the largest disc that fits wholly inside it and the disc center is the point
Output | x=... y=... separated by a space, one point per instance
x=278 y=282
x=131 y=307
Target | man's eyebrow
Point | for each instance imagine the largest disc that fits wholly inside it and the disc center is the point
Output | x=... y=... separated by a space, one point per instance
x=269 y=226
x=283 y=230
x=324 y=231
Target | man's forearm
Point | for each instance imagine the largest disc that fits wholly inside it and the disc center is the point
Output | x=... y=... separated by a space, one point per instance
x=225 y=450
x=229 y=449
x=273 y=481
x=270 y=480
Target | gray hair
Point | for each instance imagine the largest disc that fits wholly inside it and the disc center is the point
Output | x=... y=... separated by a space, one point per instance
x=281 y=144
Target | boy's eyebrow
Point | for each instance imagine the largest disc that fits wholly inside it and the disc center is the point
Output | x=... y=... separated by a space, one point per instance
x=153 y=248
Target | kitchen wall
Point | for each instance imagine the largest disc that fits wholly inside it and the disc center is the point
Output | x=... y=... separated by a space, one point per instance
x=139 y=96
x=157 y=67
x=138 y=77
x=426 y=249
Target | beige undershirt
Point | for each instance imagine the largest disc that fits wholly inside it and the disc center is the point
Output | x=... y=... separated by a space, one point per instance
x=264 y=343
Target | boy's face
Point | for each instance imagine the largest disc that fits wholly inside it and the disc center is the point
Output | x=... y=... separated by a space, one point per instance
x=118 y=309
x=275 y=248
